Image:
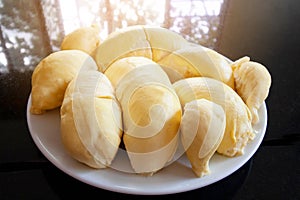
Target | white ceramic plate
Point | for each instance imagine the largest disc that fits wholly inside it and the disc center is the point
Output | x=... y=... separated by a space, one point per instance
x=176 y=177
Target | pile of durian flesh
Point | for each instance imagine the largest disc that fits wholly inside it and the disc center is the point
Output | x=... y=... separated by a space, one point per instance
x=147 y=87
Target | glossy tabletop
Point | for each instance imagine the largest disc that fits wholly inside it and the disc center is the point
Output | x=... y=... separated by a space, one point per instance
x=266 y=31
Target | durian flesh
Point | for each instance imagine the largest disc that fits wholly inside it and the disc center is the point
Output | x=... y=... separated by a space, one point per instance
x=91 y=122
x=151 y=107
x=119 y=69
x=130 y=41
x=194 y=61
x=151 y=113
x=252 y=83
x=52 y=75
x=238 y=117
x=202 y=129
x=179 y=58
x=86 y=39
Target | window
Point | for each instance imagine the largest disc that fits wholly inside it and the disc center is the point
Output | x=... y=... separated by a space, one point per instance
x=31 y=29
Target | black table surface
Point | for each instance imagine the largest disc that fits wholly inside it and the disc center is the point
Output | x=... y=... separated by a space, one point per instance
x=267 y=31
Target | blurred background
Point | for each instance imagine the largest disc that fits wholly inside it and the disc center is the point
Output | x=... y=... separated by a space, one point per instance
x=32 y=29
x=27 y=24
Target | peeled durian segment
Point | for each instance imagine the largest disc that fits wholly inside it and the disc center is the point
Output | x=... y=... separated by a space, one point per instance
x=151 y=127
x=202 y=129
x=252 y=83
x=151 y=115
x=130 y=41
x=148 y=41
x=238 y=62
x=52 y=76
x=195 y=60
x=154 y=81
x=163 y=41
x=91 y=121
x=238 y=117
x=86 y=39
x=223 y=66
x=140 y=76
x=121 y=67
x=178 y=64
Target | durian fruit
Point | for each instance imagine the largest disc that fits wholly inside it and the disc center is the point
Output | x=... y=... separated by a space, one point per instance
x=91 y=120
x=52 y=75
x=202 y=129
x=223 y=66
x=147 y=41
x=119 y=69
x=163 y=41
x=151 y=113
x=195 y=60
x=129 y=41
x=179 y=58
x=238 y=117
x=252 y=83
x=86 y=39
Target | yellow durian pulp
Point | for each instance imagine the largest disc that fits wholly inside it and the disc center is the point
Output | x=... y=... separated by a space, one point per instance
x=91 y=121
x=151 y=112
x=238 y=117
x=86 y=39
x=53 y=74
x=253 y=82
x=202 y=129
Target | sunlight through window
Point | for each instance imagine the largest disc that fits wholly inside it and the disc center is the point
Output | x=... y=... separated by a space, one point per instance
x=176 y=15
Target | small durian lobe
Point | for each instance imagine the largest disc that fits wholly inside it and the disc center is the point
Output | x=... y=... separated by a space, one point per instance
x=91 y=121
x=126 y=42
x=239 y=130
x=151 y=112
x=53 y=74
x=202 y=130
x=86 y=39
x=252 y=83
